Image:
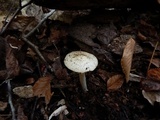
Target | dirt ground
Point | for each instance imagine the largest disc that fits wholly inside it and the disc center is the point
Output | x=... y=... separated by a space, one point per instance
x=104 y=33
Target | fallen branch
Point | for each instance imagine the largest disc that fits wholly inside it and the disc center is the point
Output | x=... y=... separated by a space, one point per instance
x=34 y=47
x=10 y=100
x=40 y=23
x=14 y=15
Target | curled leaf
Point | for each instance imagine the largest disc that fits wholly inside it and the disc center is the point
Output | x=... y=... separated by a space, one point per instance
x=126 y=60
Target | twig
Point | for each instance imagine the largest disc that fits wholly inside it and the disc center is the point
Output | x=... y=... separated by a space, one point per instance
x=152 y=55
x=10 y=99
x=35 y=48
x=7 y=17
x=14 y=15
x=40 y=23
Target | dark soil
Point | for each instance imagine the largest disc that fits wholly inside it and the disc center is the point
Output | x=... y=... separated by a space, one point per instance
x=125 y=103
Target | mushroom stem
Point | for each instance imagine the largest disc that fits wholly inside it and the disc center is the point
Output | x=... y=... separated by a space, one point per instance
x=82 y=78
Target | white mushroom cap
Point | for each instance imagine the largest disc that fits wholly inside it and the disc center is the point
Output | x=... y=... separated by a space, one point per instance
x=80 y=61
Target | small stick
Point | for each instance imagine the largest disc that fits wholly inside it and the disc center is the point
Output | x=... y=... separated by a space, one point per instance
x=152 y=55
x=40 y=23
x=14 y=15
x=10 y=100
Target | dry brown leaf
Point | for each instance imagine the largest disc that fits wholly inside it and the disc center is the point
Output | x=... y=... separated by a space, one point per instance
x=156 y=62
x=23 y=23
x=151 y=96
x=23 y=91
x=104 y=74
x=56 y=35
x=141 y=36
x=150 y=85
x=9 y=66
x=126 y=60
x=42 y=88
x=115 y=82
x=12 y=64
x=3 y=106
x=154 y=74
x=20 y=114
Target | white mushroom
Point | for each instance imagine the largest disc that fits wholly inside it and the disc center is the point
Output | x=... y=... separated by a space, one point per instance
x=81 y=62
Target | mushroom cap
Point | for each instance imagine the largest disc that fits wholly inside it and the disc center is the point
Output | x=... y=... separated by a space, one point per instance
x=80 y=61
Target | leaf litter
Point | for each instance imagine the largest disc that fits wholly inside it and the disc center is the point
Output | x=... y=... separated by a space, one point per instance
x=122 y=54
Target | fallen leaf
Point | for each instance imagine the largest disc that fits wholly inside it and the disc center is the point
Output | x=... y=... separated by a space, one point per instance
x=2 y=18
x=32 y=10
x=156 y=62
x=24 y=91
x=20 y=114
x=152 y=97
x=152 y=81
x=50 y=56
x=13 y=41
x=42 y=88
x=104 y=74
x=106 y=33
x=84 y=33
x=3 y=106
x=127 y=29
x=126 y=60
x=30 y=80
x=115 y=82
x=31 y=53
x=23 y=23
x=154 y=74
x=147 y=29
x=141 y=36
x=56 y=34
x=150 y=85
x=12 y=64
x=118 y=44
x=59 y=71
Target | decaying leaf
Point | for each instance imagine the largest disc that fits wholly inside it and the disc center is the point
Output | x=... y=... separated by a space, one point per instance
x=118 y=44
x=8 y=63
x=42 y=88
x=59 y=71
x=141 y=36
x=23 y=23
x=24 y=91
x=56 y=34
x=3 y=106
x=126 y=60
x=104 y=74
x=115 y=82
x=32 y=10
x=150 y=85
x=20 y=114
x=154 y=74
x=12 y=64
x=152 y=97
x=152 y=81
x=156 y=62
x=84 y=33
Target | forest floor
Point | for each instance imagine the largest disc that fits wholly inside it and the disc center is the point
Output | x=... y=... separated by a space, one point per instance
x=124 y=86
